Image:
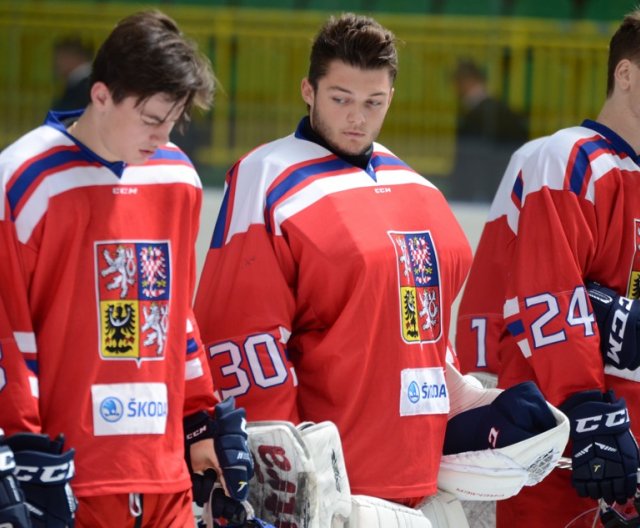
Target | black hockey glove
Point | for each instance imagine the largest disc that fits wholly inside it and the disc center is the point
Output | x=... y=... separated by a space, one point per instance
x=232 y=513
x=13 y=509
x=618 y=320
x=198 y=426
x=612 y=518
x=518 y=413
x=229 y=438
x=44 y=470
x=604 y=453
x=223 y=507
x=209 y=496
x=232 y=449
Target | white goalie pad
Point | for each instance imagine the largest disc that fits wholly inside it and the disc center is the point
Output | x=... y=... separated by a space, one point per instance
x=371 y=512
x=444 y=510
x=495 y=474
x=300 y=475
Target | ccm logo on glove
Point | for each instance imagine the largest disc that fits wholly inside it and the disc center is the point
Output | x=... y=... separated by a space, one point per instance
x=45 y=474
x=193 y=435
x=618 y=320
x=618 y=325
x=612 y=419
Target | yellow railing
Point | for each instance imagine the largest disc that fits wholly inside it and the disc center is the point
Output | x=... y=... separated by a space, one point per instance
x=554 y=71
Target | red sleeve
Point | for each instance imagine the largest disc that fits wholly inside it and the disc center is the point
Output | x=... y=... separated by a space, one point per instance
x=18 y=365
x=199 y=394
x=18 y=404
x=245 y=309
x=547 y=311
x=480 y=321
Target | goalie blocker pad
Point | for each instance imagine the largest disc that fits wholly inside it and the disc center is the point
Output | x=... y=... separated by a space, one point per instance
x=371 y=512
x=442 y=510
x=300 y=475
x=500 y=472
x=301 y=480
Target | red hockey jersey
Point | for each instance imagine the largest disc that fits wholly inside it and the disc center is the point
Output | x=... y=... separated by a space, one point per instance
x=98 y=282
x=326 y=295
x=577 y=218
x=480 y=321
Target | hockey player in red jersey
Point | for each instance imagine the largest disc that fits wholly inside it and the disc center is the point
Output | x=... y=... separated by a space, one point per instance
x=327 y=289
x=99 y=222
x=480 y=321
x=574 y=216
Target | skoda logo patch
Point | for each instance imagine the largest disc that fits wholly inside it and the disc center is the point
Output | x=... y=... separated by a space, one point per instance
x=111 y=409
x=414 y=392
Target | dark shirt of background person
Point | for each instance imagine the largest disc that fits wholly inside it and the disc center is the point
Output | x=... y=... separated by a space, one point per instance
x=488 y=132
x=72 y=62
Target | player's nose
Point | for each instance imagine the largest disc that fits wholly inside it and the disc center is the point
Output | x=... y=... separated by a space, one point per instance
x=162 y=133
x=356 y=117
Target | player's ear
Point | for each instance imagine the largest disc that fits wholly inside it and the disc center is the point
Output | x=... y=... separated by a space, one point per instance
x=307 y=91
x=623 y=74
x=100 y=94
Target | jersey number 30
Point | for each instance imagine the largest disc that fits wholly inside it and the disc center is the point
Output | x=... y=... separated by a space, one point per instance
x=266 y=367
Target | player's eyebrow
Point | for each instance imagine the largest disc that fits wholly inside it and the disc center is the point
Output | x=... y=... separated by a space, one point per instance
x=350 y=92
x=153 y=117
x=159 y=119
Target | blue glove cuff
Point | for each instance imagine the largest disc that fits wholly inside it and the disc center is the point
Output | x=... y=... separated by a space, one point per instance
x=232 y=449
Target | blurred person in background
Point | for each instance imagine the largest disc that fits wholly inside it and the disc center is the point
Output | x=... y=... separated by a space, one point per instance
x=72 y=65
x=487 y=132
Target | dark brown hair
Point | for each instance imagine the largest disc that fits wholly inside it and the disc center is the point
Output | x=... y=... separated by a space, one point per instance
x=625 y=44
x=356 y=40
x=146 y=54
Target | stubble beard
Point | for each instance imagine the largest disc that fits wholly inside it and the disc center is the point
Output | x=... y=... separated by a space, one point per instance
x=324 y=131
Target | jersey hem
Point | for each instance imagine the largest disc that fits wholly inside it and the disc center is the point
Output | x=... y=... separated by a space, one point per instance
x=146 y=486
x=397 y=492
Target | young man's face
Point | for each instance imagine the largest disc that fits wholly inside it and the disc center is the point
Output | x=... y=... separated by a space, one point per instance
x=132 y=133
x=349 y=106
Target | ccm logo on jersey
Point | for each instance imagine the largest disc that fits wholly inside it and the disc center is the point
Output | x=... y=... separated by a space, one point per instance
x=618 y=325
x=591 y=423
x=45 y=474
x=125 y=190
